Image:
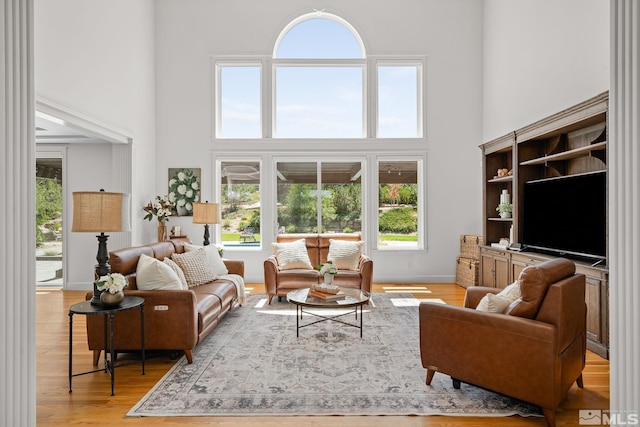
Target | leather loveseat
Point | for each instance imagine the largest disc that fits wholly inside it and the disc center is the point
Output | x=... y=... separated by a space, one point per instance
x=279 y=281
x=174 y=319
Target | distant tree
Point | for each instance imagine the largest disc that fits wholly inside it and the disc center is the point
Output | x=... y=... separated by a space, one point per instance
x=48 y=204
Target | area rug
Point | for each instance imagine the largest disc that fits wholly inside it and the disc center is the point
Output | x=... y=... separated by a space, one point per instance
x=252 y=364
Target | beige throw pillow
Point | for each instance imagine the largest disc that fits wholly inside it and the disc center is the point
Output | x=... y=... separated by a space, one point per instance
x=152 y=274
x=345 y=254
x=195 y=266
x=498 y=303
x=175 y=267
x=213 y=256
x=292 y=255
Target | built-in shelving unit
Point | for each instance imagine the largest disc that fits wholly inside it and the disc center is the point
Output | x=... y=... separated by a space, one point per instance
x=571 y=142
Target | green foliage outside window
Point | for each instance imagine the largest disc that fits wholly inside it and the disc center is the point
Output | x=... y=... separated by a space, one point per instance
x=48 y=207
x=400 y=220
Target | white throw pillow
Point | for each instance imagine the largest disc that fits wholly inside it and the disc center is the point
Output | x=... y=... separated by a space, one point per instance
x=345 y=254
x=175 y=267
x=492 y=303
x=498 y=303
x=213 y=256
x=292 y=255
x=152 y=274
x=196 y=267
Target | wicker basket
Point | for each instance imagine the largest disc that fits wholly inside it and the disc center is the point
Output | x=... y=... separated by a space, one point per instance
x=467 y=271
x=470 y=246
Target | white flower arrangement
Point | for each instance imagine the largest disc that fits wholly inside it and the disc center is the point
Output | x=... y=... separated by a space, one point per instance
x=184 y=190
x=112 y=283
x=220 y=248
x=328 y=268
x=162 y=208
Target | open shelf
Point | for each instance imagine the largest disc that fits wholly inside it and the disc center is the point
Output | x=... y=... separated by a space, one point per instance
x=567 y=155
x=508 y=178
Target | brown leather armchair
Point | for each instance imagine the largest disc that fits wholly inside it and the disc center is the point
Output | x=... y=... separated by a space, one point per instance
x=534 y=352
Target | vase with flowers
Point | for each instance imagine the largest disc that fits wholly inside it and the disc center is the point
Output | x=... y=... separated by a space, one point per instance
x=111 y=287
x=184 y=191
x=328 y=270
x=161 y=209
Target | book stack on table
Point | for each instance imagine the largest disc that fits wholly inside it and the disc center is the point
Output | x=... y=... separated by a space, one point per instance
x=327 y=292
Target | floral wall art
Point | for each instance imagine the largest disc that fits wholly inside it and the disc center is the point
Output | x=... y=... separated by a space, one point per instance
x=184 y=189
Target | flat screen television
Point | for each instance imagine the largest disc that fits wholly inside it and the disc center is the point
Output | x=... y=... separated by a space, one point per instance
x=567 y=216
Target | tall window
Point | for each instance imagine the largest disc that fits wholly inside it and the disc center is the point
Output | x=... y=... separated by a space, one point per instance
x=319 y=197
x=398 y=207
x=239 y=101
x=319 y=73
x=240 y=200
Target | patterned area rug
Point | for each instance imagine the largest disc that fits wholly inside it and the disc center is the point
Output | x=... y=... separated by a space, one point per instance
x=253 y=365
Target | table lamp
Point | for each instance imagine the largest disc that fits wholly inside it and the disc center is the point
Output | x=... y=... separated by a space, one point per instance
x=100 y=212
x=206 y=213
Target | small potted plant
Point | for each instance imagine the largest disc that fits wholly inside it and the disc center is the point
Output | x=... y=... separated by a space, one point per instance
x=505 y=209
x=328 y=270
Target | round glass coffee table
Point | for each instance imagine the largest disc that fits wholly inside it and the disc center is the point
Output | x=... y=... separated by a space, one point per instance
x=354 y=299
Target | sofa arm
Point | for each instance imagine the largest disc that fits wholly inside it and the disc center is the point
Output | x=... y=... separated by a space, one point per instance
x=271 y=276
x=365 y=267
x=234 y=266
x=475 y=293
x=512 y=355
x=170 y=322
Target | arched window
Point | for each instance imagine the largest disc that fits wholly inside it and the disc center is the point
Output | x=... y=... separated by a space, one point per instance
x=319 y=72
x=326 y=37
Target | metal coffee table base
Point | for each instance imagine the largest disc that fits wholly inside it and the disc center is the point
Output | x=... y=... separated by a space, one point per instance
x=300 y=310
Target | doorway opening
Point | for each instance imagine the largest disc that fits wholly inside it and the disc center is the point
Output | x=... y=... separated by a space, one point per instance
x=49 y=222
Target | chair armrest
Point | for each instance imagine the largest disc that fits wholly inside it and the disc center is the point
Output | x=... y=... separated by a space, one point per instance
x=170 y=320
x=234 y=266
x=365 y=267
x=475 y=293
x=271 y=269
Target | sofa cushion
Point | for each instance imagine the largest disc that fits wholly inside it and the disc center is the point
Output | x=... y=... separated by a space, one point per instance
x=213 y=256
x=153 y=274
x=534 y=283
x=345 y=254
x=292 y=255
x=175 y=267
x=195 y=266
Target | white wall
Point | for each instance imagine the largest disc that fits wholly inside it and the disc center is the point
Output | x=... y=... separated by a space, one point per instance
x=96 y=58
x=190 y=32
x=541 y=56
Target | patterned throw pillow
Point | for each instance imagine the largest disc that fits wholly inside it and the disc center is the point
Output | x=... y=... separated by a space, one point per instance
x=152 y=274
x=218 y=265
x=175 y=267
x=292 y=255
x=345 y=254
x=195 y=266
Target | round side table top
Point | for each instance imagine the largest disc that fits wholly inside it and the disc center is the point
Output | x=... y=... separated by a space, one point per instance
x=85 y=307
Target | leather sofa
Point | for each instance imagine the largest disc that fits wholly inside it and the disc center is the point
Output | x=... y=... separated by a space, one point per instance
x=174 y=319
x=279 y=282
x=534 y=351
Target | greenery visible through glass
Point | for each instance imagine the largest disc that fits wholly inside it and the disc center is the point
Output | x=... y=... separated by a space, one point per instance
x=398 y=204
x=240 y=202
x=48 y=210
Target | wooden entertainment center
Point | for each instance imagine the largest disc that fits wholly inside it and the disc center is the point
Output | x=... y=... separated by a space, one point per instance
x=571 y=142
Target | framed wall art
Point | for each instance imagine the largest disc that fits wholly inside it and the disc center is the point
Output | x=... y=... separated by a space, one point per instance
x=184 y=189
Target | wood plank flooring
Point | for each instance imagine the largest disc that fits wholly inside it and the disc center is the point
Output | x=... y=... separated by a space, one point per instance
x=91 y=402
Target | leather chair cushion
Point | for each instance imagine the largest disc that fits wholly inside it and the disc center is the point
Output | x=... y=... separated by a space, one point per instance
x=534 y=283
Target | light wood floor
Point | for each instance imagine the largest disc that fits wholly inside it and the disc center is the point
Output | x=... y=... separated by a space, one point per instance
x=91 y=402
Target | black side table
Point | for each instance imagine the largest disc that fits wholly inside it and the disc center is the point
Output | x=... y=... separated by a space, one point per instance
x=87 y=309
